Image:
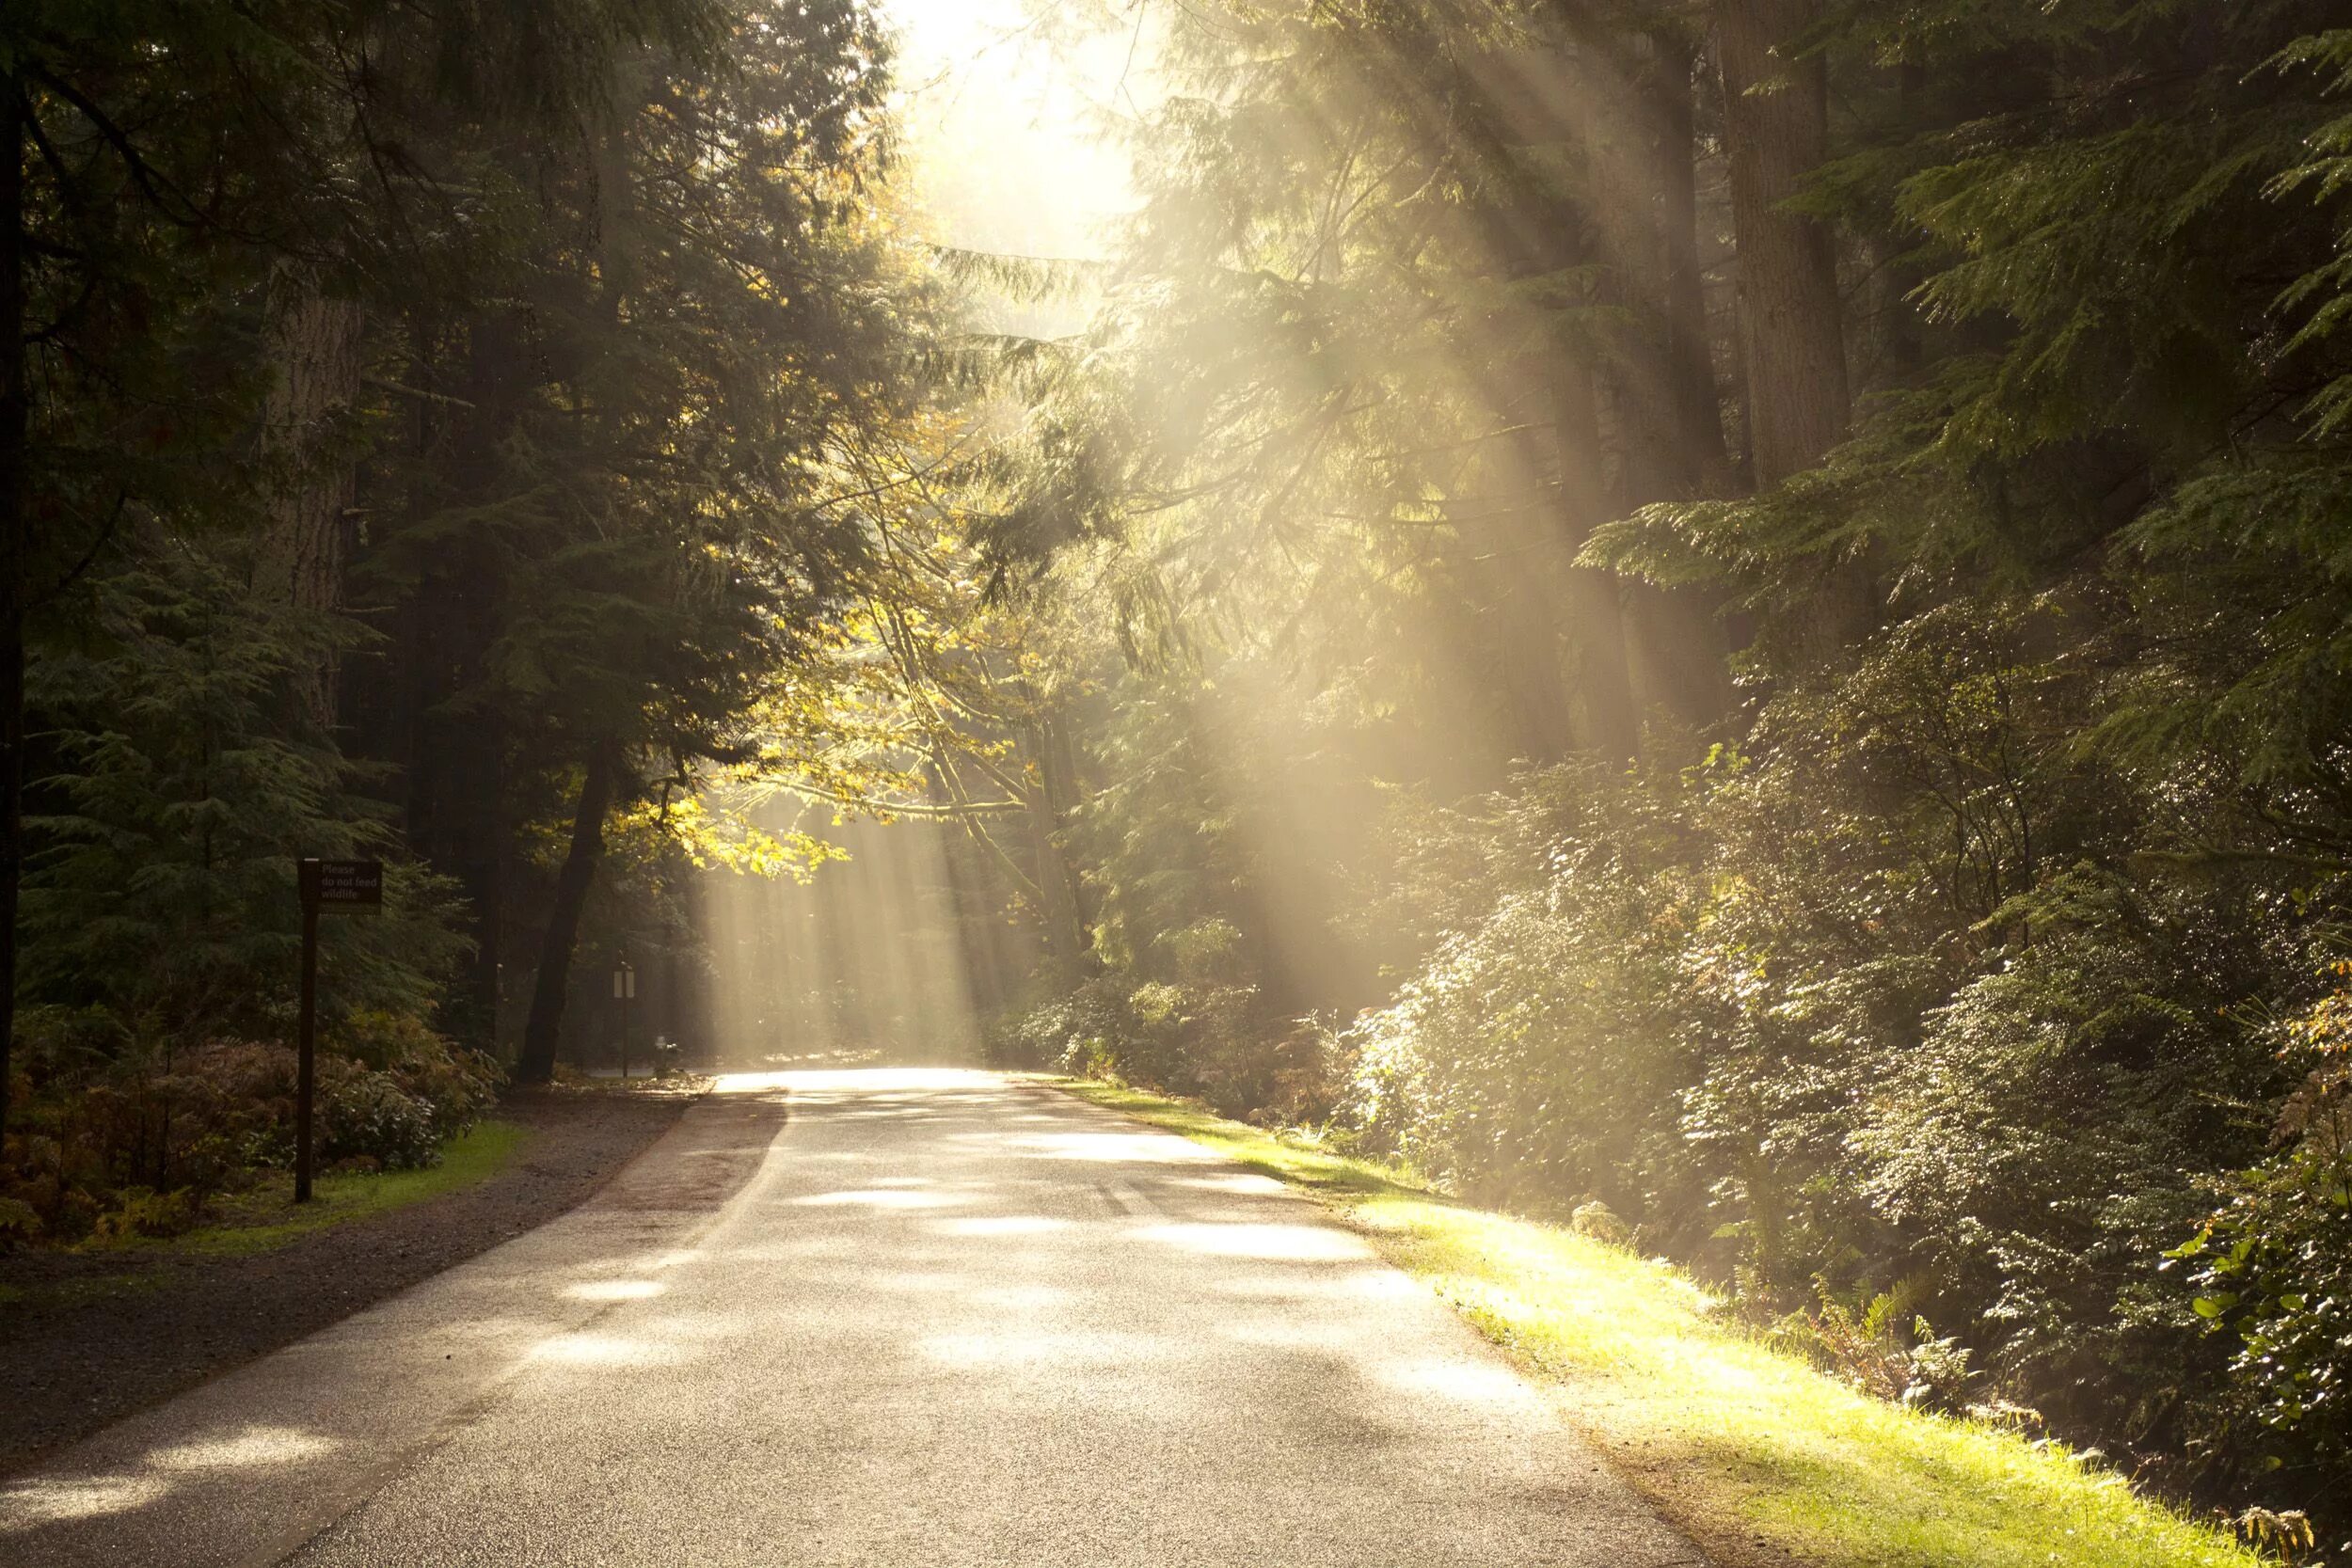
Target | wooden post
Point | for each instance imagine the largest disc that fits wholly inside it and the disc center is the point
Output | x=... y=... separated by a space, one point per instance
x=305 y=1074
x=345 y=885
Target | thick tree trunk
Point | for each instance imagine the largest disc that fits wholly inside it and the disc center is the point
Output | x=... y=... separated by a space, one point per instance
x=314 y=342
x=1776 y=131
x=1900 y=347
x=1698 y=410
x=1516 y=557
x=457 y=749
x=1557 y=631
x=1665 y=423
x=544 y=1029
x=494 y=372
x=1609 y=722
x=1065 y=934
x=1641 y=422
x=1057 y=884
x=690 y=966
x=1791 y=325
x=975 y=896
x=15 y=554
x=1617 y=117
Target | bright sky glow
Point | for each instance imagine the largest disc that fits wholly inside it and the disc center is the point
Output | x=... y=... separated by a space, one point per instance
x=1004 y=130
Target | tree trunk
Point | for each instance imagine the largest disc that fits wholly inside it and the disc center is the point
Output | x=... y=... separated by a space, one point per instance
x=1551 y=632
x=457 y=748
x=314 y=342
x=1901 y=348
x=1699 y=409
x=1615 y=114
x=975 y=896
x=1776 y=131
x=688 y=981
x=541 y=1034
x=1609 y=721
x=1539 y=626
x=1662 y=420
x=1791 y=325
x=1637 y=420
x=1065 y=935
x=15 y=419
x=1064 y=916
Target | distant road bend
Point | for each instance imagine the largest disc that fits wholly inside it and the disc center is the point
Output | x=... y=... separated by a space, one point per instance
x=901 y=1316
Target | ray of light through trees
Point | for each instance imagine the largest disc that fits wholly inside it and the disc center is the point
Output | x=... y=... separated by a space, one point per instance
x=1723 y=622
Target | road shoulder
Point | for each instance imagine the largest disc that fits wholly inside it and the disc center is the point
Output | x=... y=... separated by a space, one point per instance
x=91 y=1338
x=1758 y=1457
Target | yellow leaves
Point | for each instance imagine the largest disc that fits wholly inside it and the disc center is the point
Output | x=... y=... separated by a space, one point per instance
x=717 y=826
x=2326 y=1027
x=760 y=853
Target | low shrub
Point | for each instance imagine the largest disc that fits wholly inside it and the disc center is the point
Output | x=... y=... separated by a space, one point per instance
x=19 y=1222
x=367 y=1118
x=142 y=1212
x=1208 y=1041
x=135 y=1145
x=456 y=1086
x=1085 y=1028
x=2272 y=1269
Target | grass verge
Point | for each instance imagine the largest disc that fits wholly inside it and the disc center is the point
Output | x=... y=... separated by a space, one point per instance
x=266 y=1217
x=1754 y=1452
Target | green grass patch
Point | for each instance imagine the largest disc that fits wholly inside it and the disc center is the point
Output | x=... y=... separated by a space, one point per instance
x=1737 y=1442
x=266 y=1216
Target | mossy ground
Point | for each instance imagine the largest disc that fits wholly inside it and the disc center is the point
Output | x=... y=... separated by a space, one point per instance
x=1753 y=1450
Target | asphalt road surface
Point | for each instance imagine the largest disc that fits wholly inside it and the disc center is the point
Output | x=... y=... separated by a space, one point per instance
x=920 y=1317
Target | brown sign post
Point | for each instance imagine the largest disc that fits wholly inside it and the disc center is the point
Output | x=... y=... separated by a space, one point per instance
x=329 y=885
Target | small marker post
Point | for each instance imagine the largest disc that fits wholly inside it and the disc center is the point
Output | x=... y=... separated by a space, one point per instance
x=623 y=992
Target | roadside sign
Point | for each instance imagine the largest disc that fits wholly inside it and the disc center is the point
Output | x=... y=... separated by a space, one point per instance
x=324 y=885
x=344 y=884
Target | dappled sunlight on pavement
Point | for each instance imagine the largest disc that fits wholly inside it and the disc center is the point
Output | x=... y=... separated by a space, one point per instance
x=895 y=1316
x=42 y=1502
x=253 y=1463
x=1230 y=1239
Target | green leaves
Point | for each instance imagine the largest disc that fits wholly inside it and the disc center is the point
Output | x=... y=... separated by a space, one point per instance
x=163 y=886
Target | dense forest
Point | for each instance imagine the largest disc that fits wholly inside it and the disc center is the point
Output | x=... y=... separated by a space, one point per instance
x=1731 y=623
x=418 y=445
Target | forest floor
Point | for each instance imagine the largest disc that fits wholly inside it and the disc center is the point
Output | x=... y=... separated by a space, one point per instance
x=1757 y=1456
x=90 y=1335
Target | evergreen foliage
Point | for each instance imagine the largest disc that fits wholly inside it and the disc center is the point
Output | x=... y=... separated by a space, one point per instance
x=428 y=414
x=1977 y=951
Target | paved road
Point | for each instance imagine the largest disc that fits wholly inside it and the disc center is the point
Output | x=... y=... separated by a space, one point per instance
x=931 y=1318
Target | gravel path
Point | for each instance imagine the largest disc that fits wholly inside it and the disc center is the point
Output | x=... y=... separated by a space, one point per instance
x=68 y=1368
